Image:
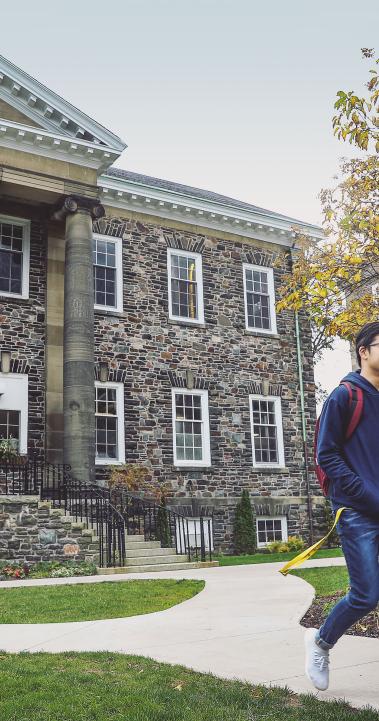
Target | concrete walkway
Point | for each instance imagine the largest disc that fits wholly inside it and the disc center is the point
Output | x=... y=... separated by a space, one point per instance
x=244 y=625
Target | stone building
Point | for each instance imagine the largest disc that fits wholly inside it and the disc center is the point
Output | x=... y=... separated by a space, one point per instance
x=154 y=304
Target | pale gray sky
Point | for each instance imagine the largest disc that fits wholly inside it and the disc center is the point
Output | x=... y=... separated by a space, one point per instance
x=235 y=96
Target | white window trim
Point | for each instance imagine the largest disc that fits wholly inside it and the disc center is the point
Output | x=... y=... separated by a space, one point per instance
x=25 y=224
x=14 y=397
x=118 y=308
x=206 y=461
x=271 y=290
x=283 y=520
x=120 y=425
x=199 y=281
x=279 y=427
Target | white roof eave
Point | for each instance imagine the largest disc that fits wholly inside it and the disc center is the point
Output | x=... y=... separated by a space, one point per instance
x=130 y=195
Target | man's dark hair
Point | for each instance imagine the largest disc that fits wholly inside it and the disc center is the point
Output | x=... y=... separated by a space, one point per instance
x=365 y=337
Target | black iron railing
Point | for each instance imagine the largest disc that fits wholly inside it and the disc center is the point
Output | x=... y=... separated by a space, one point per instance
x=111 y=514
x=28 y=476
x=192 y=537
x=90 y=504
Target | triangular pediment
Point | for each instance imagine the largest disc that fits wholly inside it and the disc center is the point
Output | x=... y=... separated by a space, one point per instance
x=34 y=105
x=7 y=112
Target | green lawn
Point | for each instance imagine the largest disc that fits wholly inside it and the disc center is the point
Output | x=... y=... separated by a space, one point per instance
x=273 y=557
x=90 y=601
x=325 y=580
x=114 y=687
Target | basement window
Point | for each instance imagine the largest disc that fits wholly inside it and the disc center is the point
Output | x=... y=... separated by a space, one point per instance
x=271 y=528
x=107 y=273
x=14 y=257
x=185 y=283
x=109 y=418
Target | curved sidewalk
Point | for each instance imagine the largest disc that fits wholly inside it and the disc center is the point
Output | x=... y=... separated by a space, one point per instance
x=244 y=625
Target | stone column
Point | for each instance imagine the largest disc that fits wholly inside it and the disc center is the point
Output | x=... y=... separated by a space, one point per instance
x=78 y=338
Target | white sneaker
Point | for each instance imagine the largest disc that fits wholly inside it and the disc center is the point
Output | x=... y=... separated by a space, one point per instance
x=316 y=661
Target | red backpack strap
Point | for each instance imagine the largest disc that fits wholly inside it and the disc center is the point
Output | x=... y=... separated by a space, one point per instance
x=356 y=406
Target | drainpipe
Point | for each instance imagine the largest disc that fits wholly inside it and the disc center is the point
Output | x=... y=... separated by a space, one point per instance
x=303 y=420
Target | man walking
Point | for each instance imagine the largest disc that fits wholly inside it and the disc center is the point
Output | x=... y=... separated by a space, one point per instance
x=353 y=469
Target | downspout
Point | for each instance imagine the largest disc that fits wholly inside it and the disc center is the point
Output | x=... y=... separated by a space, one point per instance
x=303 y=420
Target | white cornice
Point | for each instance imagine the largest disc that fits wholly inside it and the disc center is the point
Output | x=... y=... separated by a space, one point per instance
x=128 y=195
x=49 y=110
x=58 y=147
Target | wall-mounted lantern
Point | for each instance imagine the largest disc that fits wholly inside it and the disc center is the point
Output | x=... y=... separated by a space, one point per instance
x=5 y=361
x=103 y=371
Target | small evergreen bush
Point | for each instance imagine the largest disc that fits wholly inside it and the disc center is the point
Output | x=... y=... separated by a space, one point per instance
x=244 y=528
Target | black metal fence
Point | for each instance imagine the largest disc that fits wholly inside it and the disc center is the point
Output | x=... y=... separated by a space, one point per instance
x=112 y=514
x=192 y=537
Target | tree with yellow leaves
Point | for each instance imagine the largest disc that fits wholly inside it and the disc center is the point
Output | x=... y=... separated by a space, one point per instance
x=336 y=282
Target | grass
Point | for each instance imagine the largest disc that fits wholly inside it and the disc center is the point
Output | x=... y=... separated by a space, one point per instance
x=326 y=581
x=273 y=557
x=99 y=686
x=92 y=601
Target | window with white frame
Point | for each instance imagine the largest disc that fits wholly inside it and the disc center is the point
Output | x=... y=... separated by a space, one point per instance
x=259 y=296
x=271 y=529
x=107 y=272
x=14 y=256
x=185 y=286
x=191 y=428
x=266 y=431
x=14 y=410
x=109 y=419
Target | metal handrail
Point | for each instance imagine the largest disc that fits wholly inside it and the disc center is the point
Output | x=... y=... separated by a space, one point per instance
x=109 y=511
x=159 y=522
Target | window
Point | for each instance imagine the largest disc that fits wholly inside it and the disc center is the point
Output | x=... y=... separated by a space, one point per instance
x=185 y=283
x=14 y=257
x=266 y=431
x=259 y=298
x=10 y=427
x=191 y=428
x=107 y=272
x=14 y=410
x=109 y=416
x=271 y=529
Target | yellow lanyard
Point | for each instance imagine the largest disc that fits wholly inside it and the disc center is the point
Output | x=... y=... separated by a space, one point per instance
x=309 y=552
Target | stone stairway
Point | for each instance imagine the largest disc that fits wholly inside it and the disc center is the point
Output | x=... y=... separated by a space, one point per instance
x=144 y=556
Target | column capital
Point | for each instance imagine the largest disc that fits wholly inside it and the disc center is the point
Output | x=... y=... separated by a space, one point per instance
x=78 y=203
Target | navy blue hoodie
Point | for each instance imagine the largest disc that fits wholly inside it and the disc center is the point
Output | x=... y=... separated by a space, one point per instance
x=352 y=466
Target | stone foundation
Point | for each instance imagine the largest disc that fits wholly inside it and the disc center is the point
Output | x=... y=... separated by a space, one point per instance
x=31 y=531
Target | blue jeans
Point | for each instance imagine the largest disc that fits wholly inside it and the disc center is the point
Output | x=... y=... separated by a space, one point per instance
x=359 y=536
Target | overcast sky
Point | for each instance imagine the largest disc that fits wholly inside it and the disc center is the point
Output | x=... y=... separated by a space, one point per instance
x=234 y=96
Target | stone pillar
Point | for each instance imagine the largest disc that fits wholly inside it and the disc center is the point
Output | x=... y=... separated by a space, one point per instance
x=78 y=338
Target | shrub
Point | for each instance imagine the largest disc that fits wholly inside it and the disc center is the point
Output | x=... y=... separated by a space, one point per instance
x=244 y=528
x=294 y=543
x=46 y=569
x=163 y=526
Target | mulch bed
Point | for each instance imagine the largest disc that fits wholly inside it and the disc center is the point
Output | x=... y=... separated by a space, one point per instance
x=318 y=611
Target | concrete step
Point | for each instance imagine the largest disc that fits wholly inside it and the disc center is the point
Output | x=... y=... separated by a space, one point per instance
x=136 y=552
x=158 y=567
x=141 y=545
x=150 y=560
x=134 y=538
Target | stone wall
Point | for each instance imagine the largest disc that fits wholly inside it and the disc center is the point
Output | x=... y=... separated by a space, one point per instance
x=151 y=354
x=32 y=531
